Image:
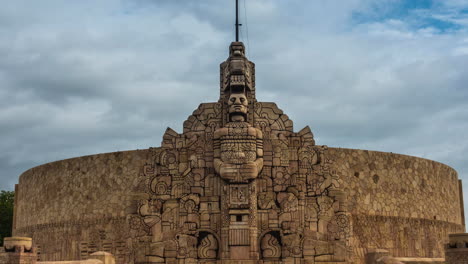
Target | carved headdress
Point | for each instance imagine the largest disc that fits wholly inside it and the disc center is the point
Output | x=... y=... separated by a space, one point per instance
x=237 y=76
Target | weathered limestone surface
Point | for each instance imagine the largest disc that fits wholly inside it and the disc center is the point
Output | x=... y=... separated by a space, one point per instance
x=238 y=185
x=17 y=250
x=400 y=203
x=13 y=243
x=456 y=251
x=17 y=258
x=88 y=261
x=382 y=256
x=104 y=257
x=421 y=260
x=398 y=185
x=378 y=227
x=75 y=207
x=99 y=257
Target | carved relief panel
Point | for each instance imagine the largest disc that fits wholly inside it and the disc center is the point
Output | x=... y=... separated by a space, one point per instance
x=239 y=184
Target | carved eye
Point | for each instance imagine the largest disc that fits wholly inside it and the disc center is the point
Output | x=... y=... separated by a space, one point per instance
x=233 y=100
x=242 y=99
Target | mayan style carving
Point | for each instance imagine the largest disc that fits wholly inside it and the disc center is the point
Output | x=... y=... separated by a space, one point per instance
x=151 y=210
x=239 y=184
x=270 y=247
x=208 y=248
x=238 y=147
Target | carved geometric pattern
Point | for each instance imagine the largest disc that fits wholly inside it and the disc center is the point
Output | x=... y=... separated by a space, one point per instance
x=238 y=183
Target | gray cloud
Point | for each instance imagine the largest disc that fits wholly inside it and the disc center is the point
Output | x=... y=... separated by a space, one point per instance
x=90 y=77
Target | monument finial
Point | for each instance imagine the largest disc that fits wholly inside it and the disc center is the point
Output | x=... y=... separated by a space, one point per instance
x=237 y=21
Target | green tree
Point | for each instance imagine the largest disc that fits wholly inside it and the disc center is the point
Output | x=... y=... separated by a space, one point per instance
x=7 y=199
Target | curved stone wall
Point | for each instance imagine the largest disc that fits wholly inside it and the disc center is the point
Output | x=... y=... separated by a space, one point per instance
x=388 y=184
x=404 y=204
x=78 y=189
x=75 y=207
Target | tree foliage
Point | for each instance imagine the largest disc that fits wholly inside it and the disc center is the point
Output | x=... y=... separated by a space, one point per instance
x=7 y=199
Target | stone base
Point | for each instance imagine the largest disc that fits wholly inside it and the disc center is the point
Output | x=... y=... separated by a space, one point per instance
x=381 y=256
x=17 y=258
x=421 y=260
x=17 y=250
x=456 y=251
x=104 y=257
x=374 y=255
x=456 y=256
x=88 y=261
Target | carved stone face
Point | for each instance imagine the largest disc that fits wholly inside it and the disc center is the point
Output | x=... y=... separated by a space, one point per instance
x=238 y=104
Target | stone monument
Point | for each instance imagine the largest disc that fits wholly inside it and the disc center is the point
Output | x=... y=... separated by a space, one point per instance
x=238 y=185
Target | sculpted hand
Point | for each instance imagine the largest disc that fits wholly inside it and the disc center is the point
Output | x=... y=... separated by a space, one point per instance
x=249 y=170
x=228 y=171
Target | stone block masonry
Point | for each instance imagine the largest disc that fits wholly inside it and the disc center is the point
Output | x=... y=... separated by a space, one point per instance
x=456 y=251
x=239 y=185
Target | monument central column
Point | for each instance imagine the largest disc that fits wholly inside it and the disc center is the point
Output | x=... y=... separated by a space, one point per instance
x=238 y=159
x=240 y=186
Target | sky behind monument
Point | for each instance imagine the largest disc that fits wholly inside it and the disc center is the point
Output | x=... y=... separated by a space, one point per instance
x=87 y=77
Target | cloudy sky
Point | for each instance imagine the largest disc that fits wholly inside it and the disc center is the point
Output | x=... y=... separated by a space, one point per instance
x=86 y=77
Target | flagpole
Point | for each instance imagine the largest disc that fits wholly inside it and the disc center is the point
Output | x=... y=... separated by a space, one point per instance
x=237 y=20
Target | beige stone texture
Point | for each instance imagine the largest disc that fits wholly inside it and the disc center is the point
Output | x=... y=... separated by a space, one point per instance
x=382 y=256
x=79 y=206
x=394 y=229
x=17 y=250
x=395 y=185
x=373 y=255
x=104 y=257
x=238 y=185
x=17 y=258
x=456 y=251
x=88 y=261
x=9 y=243
x=404 y=204
x=388 y=260
x=421 y=260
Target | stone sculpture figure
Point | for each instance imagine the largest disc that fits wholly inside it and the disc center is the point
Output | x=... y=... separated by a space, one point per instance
x=238 y=147
x=240 y=185
x=237 y=185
